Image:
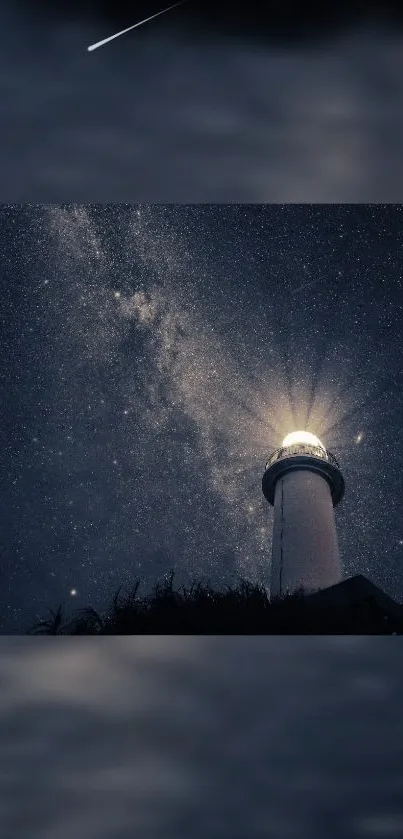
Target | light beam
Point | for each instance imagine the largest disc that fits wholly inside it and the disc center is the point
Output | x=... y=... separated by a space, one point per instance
x=302 y=437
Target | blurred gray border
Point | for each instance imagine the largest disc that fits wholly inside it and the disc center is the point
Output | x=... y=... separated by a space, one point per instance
x=161 y=117
x=201 y=737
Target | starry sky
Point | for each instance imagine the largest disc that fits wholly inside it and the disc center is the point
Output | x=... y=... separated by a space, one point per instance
x=153 y=356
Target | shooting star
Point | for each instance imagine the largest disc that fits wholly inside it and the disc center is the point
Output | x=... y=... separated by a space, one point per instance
x=129 y=28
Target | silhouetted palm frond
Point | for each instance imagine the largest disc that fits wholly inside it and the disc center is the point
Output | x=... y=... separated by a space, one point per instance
x=243 y=609
x=51 y=626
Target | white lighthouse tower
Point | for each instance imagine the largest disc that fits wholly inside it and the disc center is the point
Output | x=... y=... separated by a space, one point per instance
x=304 y=483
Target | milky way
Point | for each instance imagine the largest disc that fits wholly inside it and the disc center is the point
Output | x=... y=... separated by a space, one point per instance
x=158 y=354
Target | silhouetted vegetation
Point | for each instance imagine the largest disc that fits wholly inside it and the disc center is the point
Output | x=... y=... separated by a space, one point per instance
x=242 y=610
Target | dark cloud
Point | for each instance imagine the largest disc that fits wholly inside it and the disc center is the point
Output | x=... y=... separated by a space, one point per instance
x=177 y=112
x=202 y=737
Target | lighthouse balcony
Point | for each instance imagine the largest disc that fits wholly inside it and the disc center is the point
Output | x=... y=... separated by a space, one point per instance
x=302 y=456
x=302 y=449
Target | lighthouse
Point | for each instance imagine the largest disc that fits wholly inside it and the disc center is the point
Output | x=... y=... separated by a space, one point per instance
x=303 y=482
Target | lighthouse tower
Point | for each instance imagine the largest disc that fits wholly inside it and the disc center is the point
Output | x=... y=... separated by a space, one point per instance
x=303 y=482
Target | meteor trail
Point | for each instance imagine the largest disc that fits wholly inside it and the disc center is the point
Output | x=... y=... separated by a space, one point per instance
x=123 y=32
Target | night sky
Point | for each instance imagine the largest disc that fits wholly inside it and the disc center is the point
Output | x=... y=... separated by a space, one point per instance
x=153 y=356
x=194 y=107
